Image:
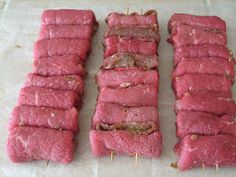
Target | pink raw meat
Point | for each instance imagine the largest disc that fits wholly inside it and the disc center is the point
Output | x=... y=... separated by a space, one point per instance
x=58 y=65
x=121 y=61
x=126 y=78
x=123 y=45
x=106 y=113
x=66 y=31
x=62 y=46
x=198 y=51
x=31 y=143
x=188 y=122
x=209 y=22
x=140 y=95
x=205 y=65
x=188 y=35
x=123 y=142
x=214 y=103
x=68 y=82
x=134 y=32
x=35 y=96
x=194 y=150
x=68 y=17
x=201 y=82
x=44 y=117
x=134 y=19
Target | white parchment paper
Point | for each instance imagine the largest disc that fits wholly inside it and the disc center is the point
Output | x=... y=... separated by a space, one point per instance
x=19 y=27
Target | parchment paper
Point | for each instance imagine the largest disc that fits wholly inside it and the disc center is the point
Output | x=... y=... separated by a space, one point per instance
x=19 y=27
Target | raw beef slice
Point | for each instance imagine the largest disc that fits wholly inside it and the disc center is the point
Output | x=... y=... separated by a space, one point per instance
x=123 y=142
x=119 y=19
x=218 y=104
x=195 y=151
x=115 y=45
x=187 y=35
x=68 y=17
x=121 y=61
x=126 y=78
x=198 y=51
x=58 y=66
x=106 y=113
x=44 y=117
x=31 y=143
x=62 y=46
x=35 y=96
x=140 y=95
x=209 y=22
x=134 y=32
x=201 y=82
x=205 y=65
x=66 y=31
x=68 y=82
x=188 y=122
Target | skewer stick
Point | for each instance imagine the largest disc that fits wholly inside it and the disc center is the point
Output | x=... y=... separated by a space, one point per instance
x=112 y=155
x=217 y=167
x=136 y=159
x=203 y=167
x=141 y=11
x=127 y=11
x=47 y=163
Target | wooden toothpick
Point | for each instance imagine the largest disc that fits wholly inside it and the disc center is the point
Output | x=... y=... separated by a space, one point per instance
x=203 y=167
x=47 y=163
x=141 y=11
x=217 y=167
x=136 y=159
x=127 y=11
x=112 y=155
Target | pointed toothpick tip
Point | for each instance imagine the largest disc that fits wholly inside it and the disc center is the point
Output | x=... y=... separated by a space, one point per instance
x=141 y=11
x=136 y=159
x=112 y=155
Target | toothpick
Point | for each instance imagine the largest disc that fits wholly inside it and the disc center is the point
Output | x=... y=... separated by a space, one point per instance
x=136 y=159
x=112 y=155
x=217 y=167
x=203 y=167
x=127 y=11
x=141 y=11
x=47 y=163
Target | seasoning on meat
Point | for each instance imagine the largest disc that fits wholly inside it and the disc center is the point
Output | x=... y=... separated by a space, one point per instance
x=121 y=61
x=107 y=113
x=123 y=142
x=68 y=82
